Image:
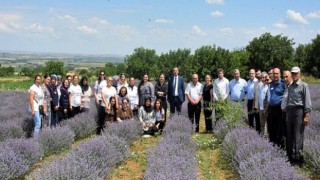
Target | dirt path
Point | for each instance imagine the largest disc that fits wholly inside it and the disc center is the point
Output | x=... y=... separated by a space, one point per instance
x=135 y=165
x=211 y=164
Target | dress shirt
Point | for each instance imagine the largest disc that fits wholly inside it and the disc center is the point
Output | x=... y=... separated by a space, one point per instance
x=221 y=89
x=250 y=88
x=238 y=89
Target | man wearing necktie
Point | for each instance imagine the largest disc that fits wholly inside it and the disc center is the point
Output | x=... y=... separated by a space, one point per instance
x=176 y=91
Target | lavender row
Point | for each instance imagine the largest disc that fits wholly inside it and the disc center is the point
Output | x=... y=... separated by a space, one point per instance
x=255 y=158
x=174 y=156
x=95 y=158
x=314 y=93
x=311 y=144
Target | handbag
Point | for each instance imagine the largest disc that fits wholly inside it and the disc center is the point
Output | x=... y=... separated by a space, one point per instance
x=41 y=109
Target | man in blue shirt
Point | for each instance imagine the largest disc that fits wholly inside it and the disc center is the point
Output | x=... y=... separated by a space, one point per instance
x=275 y=120
x=252 y=115
x=238 y=87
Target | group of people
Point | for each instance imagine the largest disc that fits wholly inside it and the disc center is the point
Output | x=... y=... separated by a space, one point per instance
x=278 y=108
x=55 y=99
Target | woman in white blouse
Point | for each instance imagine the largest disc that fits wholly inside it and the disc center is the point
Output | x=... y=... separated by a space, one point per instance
x=133 y=96
x=75 y=92
x=36 y=99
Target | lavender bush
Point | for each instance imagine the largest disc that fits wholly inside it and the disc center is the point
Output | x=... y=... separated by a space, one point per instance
x=55 y=139
x=174 y=157
x=129 y=130
x=256 y=158
x=12 y=166
x=10 y=130
x=28 y=149
x=82 y=125
x=91 y=160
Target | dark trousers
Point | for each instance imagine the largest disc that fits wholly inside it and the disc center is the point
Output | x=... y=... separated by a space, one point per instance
x=194 y=112
x=295 y=134
x=253 y=115
x=75 y=111
x=54 y=117
x=275 y=125
x=175 y=103
x=208 y=119
x=165 y=107
x=161 y=124
x=101 y=119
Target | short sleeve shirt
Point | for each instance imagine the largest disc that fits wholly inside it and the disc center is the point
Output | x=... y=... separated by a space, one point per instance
x=75 y=92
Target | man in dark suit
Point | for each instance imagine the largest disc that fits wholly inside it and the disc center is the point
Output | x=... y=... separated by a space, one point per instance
x=176 y=91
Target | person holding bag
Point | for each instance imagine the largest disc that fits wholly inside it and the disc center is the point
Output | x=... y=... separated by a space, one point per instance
x=36 y=102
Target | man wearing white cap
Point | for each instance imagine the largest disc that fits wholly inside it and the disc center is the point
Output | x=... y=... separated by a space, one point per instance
x=298 y=110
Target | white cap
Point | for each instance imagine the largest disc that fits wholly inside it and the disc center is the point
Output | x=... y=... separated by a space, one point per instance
x=295 y=70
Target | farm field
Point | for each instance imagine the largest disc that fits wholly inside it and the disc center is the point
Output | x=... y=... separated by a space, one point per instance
x=121 y=153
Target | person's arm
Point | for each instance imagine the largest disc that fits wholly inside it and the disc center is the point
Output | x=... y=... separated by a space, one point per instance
x=70 y=100
x=104 y=101
x=118 y=116
x=95 y=92
x=200 y=96
x=187 y=92
x=163 y=115
x=31 y=102
x=152 y=94
x=183 y=88
x=307 y=105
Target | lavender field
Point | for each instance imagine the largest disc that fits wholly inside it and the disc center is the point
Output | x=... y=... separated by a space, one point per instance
x=173 y=157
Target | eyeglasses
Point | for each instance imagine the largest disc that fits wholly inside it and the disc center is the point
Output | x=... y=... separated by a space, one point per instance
x=101 y=74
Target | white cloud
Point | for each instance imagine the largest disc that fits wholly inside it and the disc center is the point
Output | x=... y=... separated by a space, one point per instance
x=296 y=17
x=314 y=15
x=9 y=22
x=68 y=18
x=40 y=28
x=87 y=29
x=226 y=30
x=216 y=14
x=9 y=17
x=4 y=28
x=196 y=30
x=280 y=25
x=164 y=21
x=99 y=21
x=215 y=1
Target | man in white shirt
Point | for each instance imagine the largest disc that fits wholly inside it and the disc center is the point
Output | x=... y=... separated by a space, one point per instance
x=263 y=101
x=220 y=91
x=194 y=95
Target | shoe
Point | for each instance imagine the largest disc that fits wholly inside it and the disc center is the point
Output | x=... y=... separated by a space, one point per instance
x=146 y=136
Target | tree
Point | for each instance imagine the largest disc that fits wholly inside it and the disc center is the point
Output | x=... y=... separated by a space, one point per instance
x=110 y=69
x=142 y=61
x=313 y=60
x=121 y=68
x=301 y=57
x=54 y=67
x=270 y=51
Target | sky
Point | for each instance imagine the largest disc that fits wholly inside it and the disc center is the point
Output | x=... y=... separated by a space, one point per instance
x=119 y=26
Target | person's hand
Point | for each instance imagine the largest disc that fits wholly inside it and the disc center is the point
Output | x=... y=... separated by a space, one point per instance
x=65 y=110
x=144 y=125
x=33 y=113
x=151 y=125
x=97 y=101
x=80 y=107
x=158 y=126
x=70 y=108
x=56 y=108
x=136 y=106
x=306 y=120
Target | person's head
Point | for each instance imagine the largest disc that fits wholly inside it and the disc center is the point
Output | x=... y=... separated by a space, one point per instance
x=258 y=74
x=287 y=77
x=131 y=81
x=47 y=79
x=102 y=74
x=125 y=102
x=123 y=91
x=147 y=102
x=112 y=100
x=69 y=77
x=122 y=78
x=109 y=81
x=84 y=81
x=207 y=79
x=162 y=78
x=276 y=74
x=295 y=74
x=58 y=79
x=263 y=76
x=236 y=74
x=53 y=79
x=252 y=74
x=158 y=104
x=270 y=73
x=268 y=80
x=65 y=83
x=75 y=79
x=145 y=78
x=37 y=79
x=220 y=73
x=175 y=71
x=194 y=79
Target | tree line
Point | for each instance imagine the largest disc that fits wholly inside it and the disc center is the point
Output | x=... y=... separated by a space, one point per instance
x=262 y=53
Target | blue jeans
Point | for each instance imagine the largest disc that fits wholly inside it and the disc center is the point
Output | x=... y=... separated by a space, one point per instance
x=37 y=123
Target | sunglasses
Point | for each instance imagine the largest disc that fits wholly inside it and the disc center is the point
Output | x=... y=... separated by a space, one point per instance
x=101 y=74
